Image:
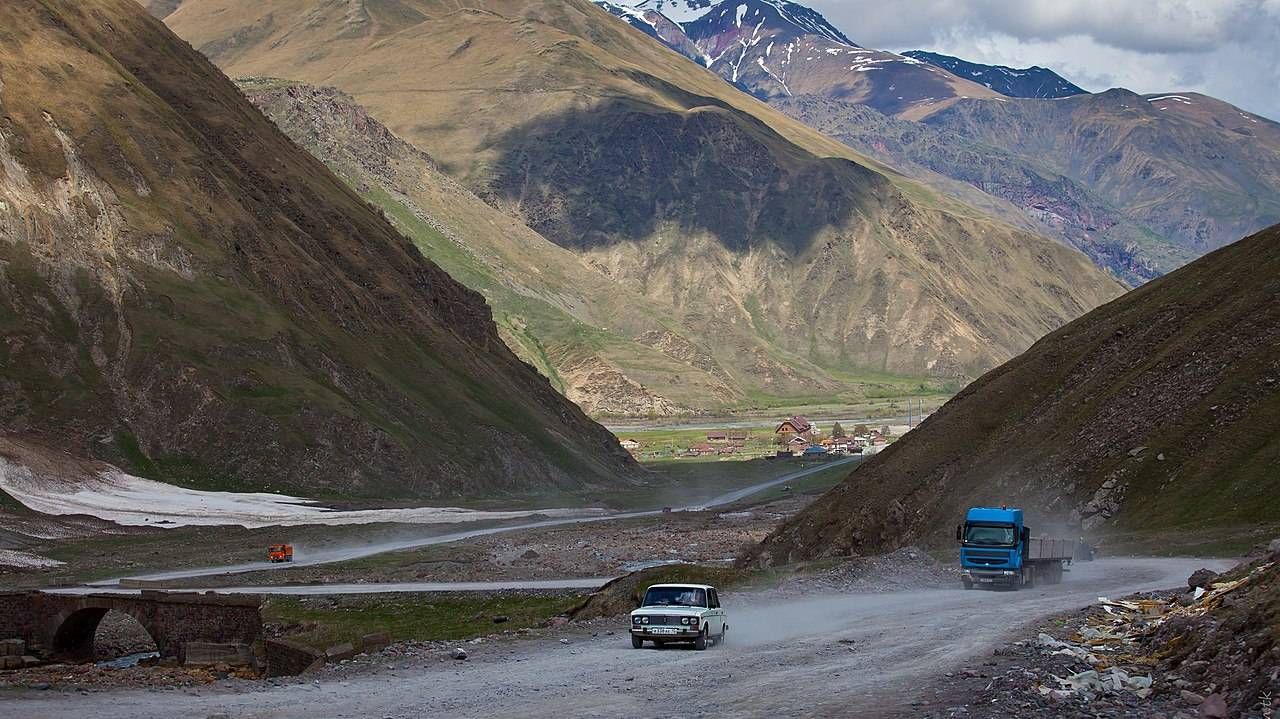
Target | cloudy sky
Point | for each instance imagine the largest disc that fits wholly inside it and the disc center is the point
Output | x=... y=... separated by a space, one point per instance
x=1226 y=48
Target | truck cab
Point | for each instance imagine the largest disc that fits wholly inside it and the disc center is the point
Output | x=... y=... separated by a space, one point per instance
x=997 y=549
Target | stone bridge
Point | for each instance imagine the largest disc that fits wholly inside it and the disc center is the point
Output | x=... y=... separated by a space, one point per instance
x=64 y=624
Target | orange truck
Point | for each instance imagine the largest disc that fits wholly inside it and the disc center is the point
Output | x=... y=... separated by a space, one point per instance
x=280 y=553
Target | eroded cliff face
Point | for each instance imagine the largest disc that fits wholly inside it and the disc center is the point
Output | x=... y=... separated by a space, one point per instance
x=186 y=293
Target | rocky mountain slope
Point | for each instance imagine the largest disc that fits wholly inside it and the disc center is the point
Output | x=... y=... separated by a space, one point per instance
x=782 y=249
x=1157 y=411
x=599 y=344
x=1032 y=81
x=189 y=295
x=1197 y=171
x=1003 y=182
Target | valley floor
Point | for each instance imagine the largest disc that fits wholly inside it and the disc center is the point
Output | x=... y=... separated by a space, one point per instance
x=851 y=654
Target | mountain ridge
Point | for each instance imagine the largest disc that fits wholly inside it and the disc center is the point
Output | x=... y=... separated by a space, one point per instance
x=611 y=145
x=1033 y=82
x=1144 y=194
x=191 y=297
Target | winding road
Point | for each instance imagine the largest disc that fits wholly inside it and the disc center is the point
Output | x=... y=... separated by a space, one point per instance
x=835 y=655
x=329 y=556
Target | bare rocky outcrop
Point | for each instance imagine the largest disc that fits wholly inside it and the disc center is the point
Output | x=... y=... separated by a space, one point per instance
x=602 y=389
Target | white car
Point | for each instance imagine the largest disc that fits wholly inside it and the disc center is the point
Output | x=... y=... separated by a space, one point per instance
x=673 y=613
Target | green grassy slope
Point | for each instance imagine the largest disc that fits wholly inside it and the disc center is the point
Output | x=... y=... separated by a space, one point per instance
x=1158 y=412
x=187 y=293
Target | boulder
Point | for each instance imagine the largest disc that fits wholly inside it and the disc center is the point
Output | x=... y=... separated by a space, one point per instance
x=1189 y=697
x=459 y=653
x=286 y=658
x=339 y=652
x=1213 y=707
x=1202 y=578
x=10 y=662
x=375 y=642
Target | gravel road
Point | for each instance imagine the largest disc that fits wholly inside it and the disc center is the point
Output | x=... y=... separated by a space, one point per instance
x=847 y=655
x=329 y=556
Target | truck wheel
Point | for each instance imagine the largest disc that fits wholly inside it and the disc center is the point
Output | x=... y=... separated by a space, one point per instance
x=967 y=584
x=701 y=642
x=636 y=642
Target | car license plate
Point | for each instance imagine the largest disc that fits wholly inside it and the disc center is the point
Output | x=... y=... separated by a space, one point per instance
x=664 y=630
x=988 y=580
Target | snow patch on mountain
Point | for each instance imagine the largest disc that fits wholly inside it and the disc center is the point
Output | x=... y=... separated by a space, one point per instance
x=1035 y=82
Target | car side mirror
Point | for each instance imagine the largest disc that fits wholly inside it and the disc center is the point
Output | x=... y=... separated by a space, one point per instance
x=1026 y=535
x=959 y=533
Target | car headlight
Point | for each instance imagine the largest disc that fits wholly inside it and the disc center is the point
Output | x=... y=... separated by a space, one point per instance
x=635 y=620
x=644 y=620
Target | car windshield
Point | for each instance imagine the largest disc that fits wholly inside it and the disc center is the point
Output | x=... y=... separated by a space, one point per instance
x=675 y=597
x=989 y=535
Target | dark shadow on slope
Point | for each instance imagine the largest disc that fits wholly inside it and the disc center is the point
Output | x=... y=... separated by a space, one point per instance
x=614 y=173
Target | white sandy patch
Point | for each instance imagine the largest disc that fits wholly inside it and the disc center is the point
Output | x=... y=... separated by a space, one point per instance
x=134 y=501
x=26 y=560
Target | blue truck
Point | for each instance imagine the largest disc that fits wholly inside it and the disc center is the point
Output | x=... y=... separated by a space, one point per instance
x=998 y=550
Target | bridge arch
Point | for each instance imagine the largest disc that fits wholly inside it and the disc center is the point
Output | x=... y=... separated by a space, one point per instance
x=76 y=635
x=65 y=624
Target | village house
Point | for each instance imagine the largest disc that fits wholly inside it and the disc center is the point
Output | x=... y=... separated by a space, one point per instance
x=738 y=439
x=797 y=444
x=796 y=427
x=718 y=437
x=701 y=450
x=630 y=445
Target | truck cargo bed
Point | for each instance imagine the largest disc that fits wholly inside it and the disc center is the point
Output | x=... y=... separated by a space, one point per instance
x=1042 y=548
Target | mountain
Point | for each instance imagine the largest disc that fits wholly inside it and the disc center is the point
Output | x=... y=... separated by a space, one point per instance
x=599 y=344
x=1002 y=182
x=778 y=49
x=187 y=294
x=1197 y=171
x=654 y=23
x=1158 y=412
x=1140 y=184
x=1032 y=81
x=783 y=250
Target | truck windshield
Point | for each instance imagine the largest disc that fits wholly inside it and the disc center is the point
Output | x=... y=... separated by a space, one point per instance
x=989 y=535
x=675 y=597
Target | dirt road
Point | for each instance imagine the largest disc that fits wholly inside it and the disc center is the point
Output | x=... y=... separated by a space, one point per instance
x=850 y=655
x=329 y=556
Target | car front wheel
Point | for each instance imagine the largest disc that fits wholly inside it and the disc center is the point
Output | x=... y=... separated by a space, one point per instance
x=636 y=642
x=701 y=642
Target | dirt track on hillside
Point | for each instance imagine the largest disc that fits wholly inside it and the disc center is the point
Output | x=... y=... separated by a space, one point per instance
x=846 y=655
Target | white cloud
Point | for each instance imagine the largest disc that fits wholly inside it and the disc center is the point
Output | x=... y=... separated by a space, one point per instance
x=1226 y=48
